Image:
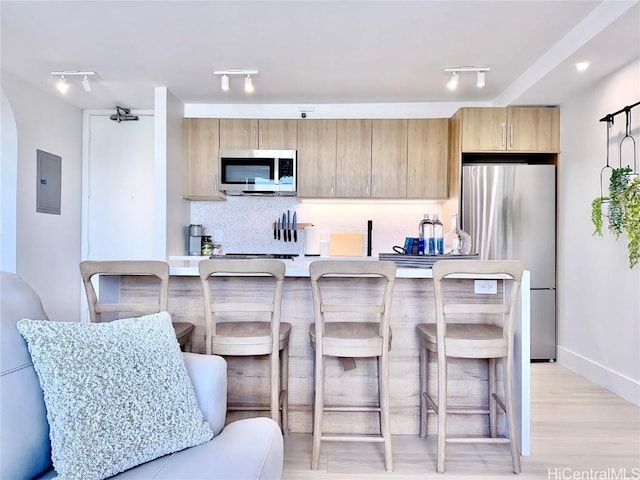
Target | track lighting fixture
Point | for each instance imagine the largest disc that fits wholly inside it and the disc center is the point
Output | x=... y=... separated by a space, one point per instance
x=455 y=71
x=63 y=85
x=225 y=74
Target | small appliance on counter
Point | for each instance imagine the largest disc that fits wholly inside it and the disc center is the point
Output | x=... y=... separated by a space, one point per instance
x=195 y=232
x=250 y=256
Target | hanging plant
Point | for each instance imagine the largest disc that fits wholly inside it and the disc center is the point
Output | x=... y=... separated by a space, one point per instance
x=631 y=202
x=596 y=214
x=617 y=185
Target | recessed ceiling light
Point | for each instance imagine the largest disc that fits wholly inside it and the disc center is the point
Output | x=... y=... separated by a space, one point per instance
x=582 y=66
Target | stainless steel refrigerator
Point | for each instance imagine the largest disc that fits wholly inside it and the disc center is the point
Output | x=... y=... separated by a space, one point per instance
x=509 y=209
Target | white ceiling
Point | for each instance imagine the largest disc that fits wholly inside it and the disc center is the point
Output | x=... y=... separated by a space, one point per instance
x=318 y=52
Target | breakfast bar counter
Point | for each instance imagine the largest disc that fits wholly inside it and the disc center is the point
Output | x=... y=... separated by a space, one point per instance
x=413 y=303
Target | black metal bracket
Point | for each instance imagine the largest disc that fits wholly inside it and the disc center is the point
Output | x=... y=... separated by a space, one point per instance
x=609 y=116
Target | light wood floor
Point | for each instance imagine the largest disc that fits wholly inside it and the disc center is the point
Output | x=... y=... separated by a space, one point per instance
x=579 y=430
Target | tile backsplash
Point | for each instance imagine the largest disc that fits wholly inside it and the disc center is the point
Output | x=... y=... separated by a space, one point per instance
x=245 y=224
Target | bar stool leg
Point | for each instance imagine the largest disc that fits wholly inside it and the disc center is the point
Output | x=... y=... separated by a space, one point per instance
x=507 y=369
x=284 y=382
x=493 y=405
x=274 y=381
x=317 y=414
x=424 y=378
x=442 y=410
x=385 y=428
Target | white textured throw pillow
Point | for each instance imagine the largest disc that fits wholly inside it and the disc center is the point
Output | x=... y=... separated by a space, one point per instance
x=117 y=394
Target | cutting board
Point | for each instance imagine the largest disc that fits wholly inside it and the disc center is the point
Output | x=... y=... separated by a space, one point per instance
x=345 y=244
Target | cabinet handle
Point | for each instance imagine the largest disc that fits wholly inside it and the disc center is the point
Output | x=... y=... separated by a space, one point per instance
x=503 y=137
x=333 y=184
x=215 y=182
x=511 y=134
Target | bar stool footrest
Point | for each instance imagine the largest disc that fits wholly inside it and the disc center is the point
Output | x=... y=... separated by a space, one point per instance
x=478 y=440
x=351 y=409
x=352 y=438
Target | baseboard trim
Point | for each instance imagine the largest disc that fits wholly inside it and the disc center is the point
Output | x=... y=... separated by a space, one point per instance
x=621 y=385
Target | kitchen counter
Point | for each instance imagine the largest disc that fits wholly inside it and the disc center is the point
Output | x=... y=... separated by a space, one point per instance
x=298 y=267
x=412 y=304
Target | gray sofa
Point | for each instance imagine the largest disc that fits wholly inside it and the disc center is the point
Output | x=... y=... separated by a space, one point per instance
x=245 y=449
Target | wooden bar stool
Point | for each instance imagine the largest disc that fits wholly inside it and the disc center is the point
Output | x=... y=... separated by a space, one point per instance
x=345 y=293
x=154 y=268
x=249 y=291
x=471 y=329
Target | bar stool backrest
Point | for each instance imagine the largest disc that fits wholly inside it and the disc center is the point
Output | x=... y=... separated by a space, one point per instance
x=340 y=301
x=249 y=304
x=154 y=268
x=500 y=311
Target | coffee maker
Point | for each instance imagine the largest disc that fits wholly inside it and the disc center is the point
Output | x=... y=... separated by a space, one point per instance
x=194 y=239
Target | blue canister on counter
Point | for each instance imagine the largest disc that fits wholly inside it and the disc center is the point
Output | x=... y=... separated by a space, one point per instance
x=411 y=245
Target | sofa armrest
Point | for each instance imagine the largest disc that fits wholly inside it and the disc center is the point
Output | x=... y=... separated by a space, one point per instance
x=209 y=378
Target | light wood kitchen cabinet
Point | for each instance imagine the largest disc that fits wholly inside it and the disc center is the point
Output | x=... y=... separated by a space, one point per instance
x=389 y=158
x=242 y=133
x=316 y=158
x=353 y=159
x=427 y=162
x=201 y=144
x=515 y=129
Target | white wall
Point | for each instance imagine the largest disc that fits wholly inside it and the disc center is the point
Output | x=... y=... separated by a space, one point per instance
x=598 y=295
x=169 y=114
x=8 y=193
x=48 y=246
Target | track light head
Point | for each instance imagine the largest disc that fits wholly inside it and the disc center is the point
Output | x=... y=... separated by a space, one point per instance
x=224 y=83
x=86 y=84
x=452 y=84
x=248 y=84
x=62 y=85
x=481 y=80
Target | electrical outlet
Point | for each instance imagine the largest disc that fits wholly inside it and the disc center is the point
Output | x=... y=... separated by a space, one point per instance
x=485 y=287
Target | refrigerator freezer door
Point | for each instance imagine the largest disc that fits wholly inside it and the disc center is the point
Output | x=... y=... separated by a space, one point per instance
x=509 y=210
x=543 y=324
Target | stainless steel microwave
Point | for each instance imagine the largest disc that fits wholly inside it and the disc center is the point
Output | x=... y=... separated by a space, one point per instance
x=255 y=172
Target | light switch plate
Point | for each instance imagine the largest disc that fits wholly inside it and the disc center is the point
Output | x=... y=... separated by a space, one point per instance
x=485 y=287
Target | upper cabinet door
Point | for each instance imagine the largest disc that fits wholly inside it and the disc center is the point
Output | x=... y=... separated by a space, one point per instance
x=533 y=130
x=428 y=150
x=278 y=134
x=316 y=158
x=389 y=158
x=242 y=133
x=238 y=133
x=353 y=162
x=200 y=138
x=484 y=129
